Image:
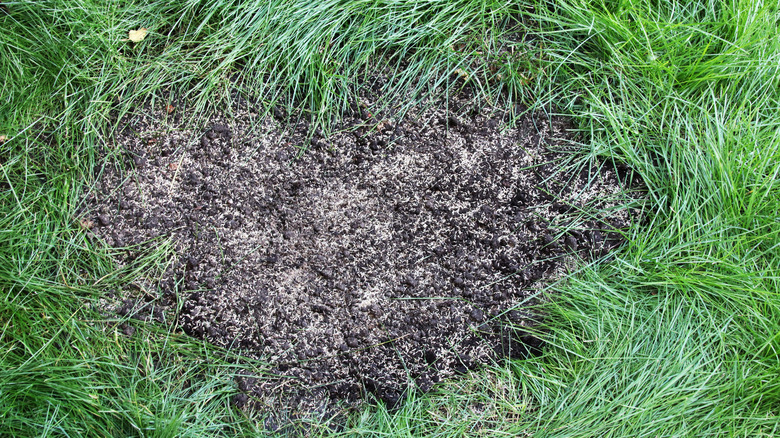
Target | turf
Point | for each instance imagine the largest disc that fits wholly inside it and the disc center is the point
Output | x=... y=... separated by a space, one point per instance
x=677 y=335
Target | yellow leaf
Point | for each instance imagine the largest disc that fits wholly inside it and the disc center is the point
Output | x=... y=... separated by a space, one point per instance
x=462 y=74
x=3 y=139
x=137 y=36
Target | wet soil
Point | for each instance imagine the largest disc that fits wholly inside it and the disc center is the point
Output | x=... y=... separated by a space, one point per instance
x=386 y=255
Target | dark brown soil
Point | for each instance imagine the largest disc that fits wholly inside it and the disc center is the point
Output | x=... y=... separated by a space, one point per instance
x=388 y=253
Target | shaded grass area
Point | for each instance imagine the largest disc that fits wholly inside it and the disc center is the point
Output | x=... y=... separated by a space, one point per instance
x=678 y=335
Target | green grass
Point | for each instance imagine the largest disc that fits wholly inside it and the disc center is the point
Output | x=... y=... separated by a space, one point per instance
x=678 y=335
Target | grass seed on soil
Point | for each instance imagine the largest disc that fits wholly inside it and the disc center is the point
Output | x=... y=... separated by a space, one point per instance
x=387 y=253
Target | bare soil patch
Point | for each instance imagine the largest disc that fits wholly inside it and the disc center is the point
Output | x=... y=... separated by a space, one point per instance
x=388 y=253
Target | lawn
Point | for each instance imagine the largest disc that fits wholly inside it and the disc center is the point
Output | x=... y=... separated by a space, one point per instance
x=677 y=334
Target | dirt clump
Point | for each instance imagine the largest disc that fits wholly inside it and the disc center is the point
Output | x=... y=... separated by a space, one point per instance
x=386 y=253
